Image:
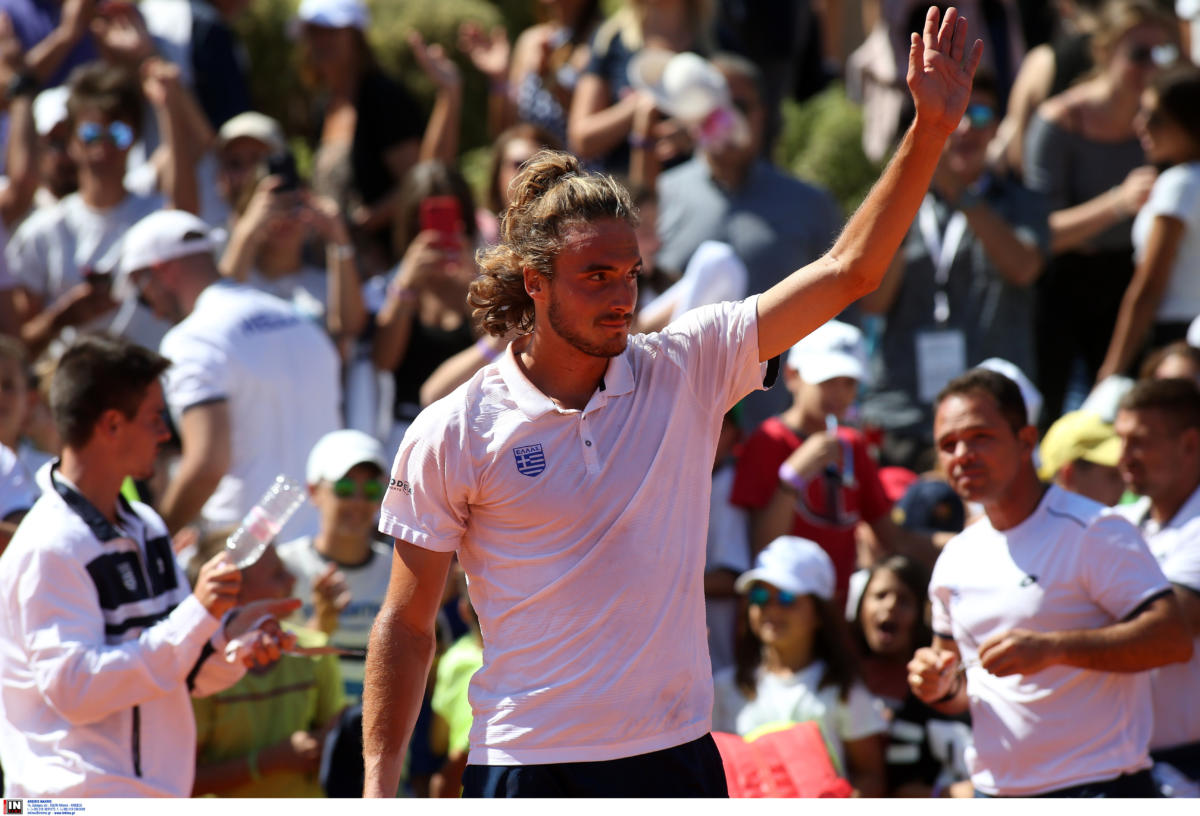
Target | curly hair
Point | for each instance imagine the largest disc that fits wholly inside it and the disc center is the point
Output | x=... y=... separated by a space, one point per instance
x=552 y=193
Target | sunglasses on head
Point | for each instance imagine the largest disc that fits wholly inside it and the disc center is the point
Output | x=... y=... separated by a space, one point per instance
x=980 y=116
x=760 y=595
x=118 y=133
x=347 y=488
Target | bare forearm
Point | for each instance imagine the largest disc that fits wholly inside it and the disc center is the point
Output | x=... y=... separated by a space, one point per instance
x=1017 y=262
x=398 y=660
x=347 y=315
x=1129 y=646
x=1134 y=319
x=594 y=134
x=393 y=330
x=21 y=159
x=188 y=491
x=441 y=133
x=45 y=58
x=1071 y=227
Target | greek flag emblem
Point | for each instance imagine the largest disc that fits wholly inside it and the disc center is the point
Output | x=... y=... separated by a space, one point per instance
x=531 y=460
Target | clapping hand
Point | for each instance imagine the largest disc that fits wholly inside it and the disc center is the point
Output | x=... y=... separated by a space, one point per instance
x=940 y=70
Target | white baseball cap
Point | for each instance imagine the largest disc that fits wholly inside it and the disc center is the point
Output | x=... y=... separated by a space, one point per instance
x=50 y=108
x=253 y=125
x=835 y=349
x=338 y=451
x=164 y=236
x=335 y=13
x=793 y=564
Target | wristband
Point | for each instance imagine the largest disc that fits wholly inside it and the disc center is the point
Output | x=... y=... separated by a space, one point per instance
x=252 y=766
x=485 y=348
x=791 y=477
x=638 y=143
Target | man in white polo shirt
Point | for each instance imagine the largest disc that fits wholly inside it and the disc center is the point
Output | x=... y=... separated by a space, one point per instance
x=252 y=386
x=1046 y=615
x=572 y=478
x=1159 y=425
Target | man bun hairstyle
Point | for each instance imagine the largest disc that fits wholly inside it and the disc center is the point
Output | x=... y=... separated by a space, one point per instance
x=551 y=194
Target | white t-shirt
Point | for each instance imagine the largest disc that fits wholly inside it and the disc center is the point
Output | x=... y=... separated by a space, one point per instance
x=1176 y=193
x=279 y=375
x=1073 y=564
x=582 y=536
x=798 y=698
x=367 y=582
x=728 y=548
x=1175 y=688
x=54 y=245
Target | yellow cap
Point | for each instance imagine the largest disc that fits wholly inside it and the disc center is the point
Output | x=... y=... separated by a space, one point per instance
x=1078 y=435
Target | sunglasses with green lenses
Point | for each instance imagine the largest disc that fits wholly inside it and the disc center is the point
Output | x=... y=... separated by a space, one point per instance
x=760 y=595
x=347 y=488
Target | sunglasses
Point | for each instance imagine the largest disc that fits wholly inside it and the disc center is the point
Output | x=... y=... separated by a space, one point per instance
x=348 y=489
x=980 y=116
x=760 y=595
x=118 y=133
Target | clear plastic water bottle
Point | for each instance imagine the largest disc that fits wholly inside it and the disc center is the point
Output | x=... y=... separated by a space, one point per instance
x=264 y=521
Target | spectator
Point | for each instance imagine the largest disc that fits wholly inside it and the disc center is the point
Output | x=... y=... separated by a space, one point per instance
x=243 y=408
x=55 y=36
x=1079 y=453
x=243 y=145
x=775 y=223
x=264 y=735
x=600 y=124
x=342 y=571
x=197 y=35
x=512 y=148
x=1159 y=425
x=102 y=638
x=370 y=126
x=535 y=86
x=795 y=664
x=802 y=472
x=424 y=315
x=961 y=289
x=1082 y=152
x=1162 y=298
x=63 y=256
x=1046 y=614
x=924 y=751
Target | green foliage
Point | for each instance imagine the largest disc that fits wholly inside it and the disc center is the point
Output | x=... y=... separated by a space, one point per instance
x=821 y=142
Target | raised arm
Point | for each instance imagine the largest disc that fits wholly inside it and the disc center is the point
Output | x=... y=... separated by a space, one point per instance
x=398 y=659
x=940 y=70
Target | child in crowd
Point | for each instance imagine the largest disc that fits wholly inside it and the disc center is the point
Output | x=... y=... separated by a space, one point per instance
x=795 y=664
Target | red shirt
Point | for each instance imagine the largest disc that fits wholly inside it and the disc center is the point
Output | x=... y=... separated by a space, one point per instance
x=861 y=496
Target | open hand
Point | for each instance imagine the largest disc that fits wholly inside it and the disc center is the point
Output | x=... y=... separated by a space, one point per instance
x=489 y=52
x=939 y=76
x=434 y=61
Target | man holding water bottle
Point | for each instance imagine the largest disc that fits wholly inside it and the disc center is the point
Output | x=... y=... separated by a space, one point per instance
x=1046 y=615
x=101 y=639
x=572 y=478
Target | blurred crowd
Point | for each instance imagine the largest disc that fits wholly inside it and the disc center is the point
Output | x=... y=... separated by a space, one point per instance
x=310 y=292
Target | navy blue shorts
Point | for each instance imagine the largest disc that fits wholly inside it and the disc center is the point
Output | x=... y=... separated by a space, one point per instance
x=693 y=769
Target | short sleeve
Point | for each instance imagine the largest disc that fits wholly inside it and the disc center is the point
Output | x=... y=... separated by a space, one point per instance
x=861 y=715
x=1119 y=571
x=426 y=500
x=1176 y=193
x=199 y=373
x=1181 y=564
x=717 y=347
x=939 y=595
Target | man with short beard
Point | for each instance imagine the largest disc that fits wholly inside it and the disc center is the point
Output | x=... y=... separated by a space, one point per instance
x=572 y=476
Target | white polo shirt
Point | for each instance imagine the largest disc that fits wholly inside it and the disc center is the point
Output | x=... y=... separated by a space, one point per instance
x=1071 y=565
x=1175 y=688
x=582 y=534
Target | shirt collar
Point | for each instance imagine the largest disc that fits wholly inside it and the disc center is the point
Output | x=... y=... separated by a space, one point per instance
x=531 y=402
